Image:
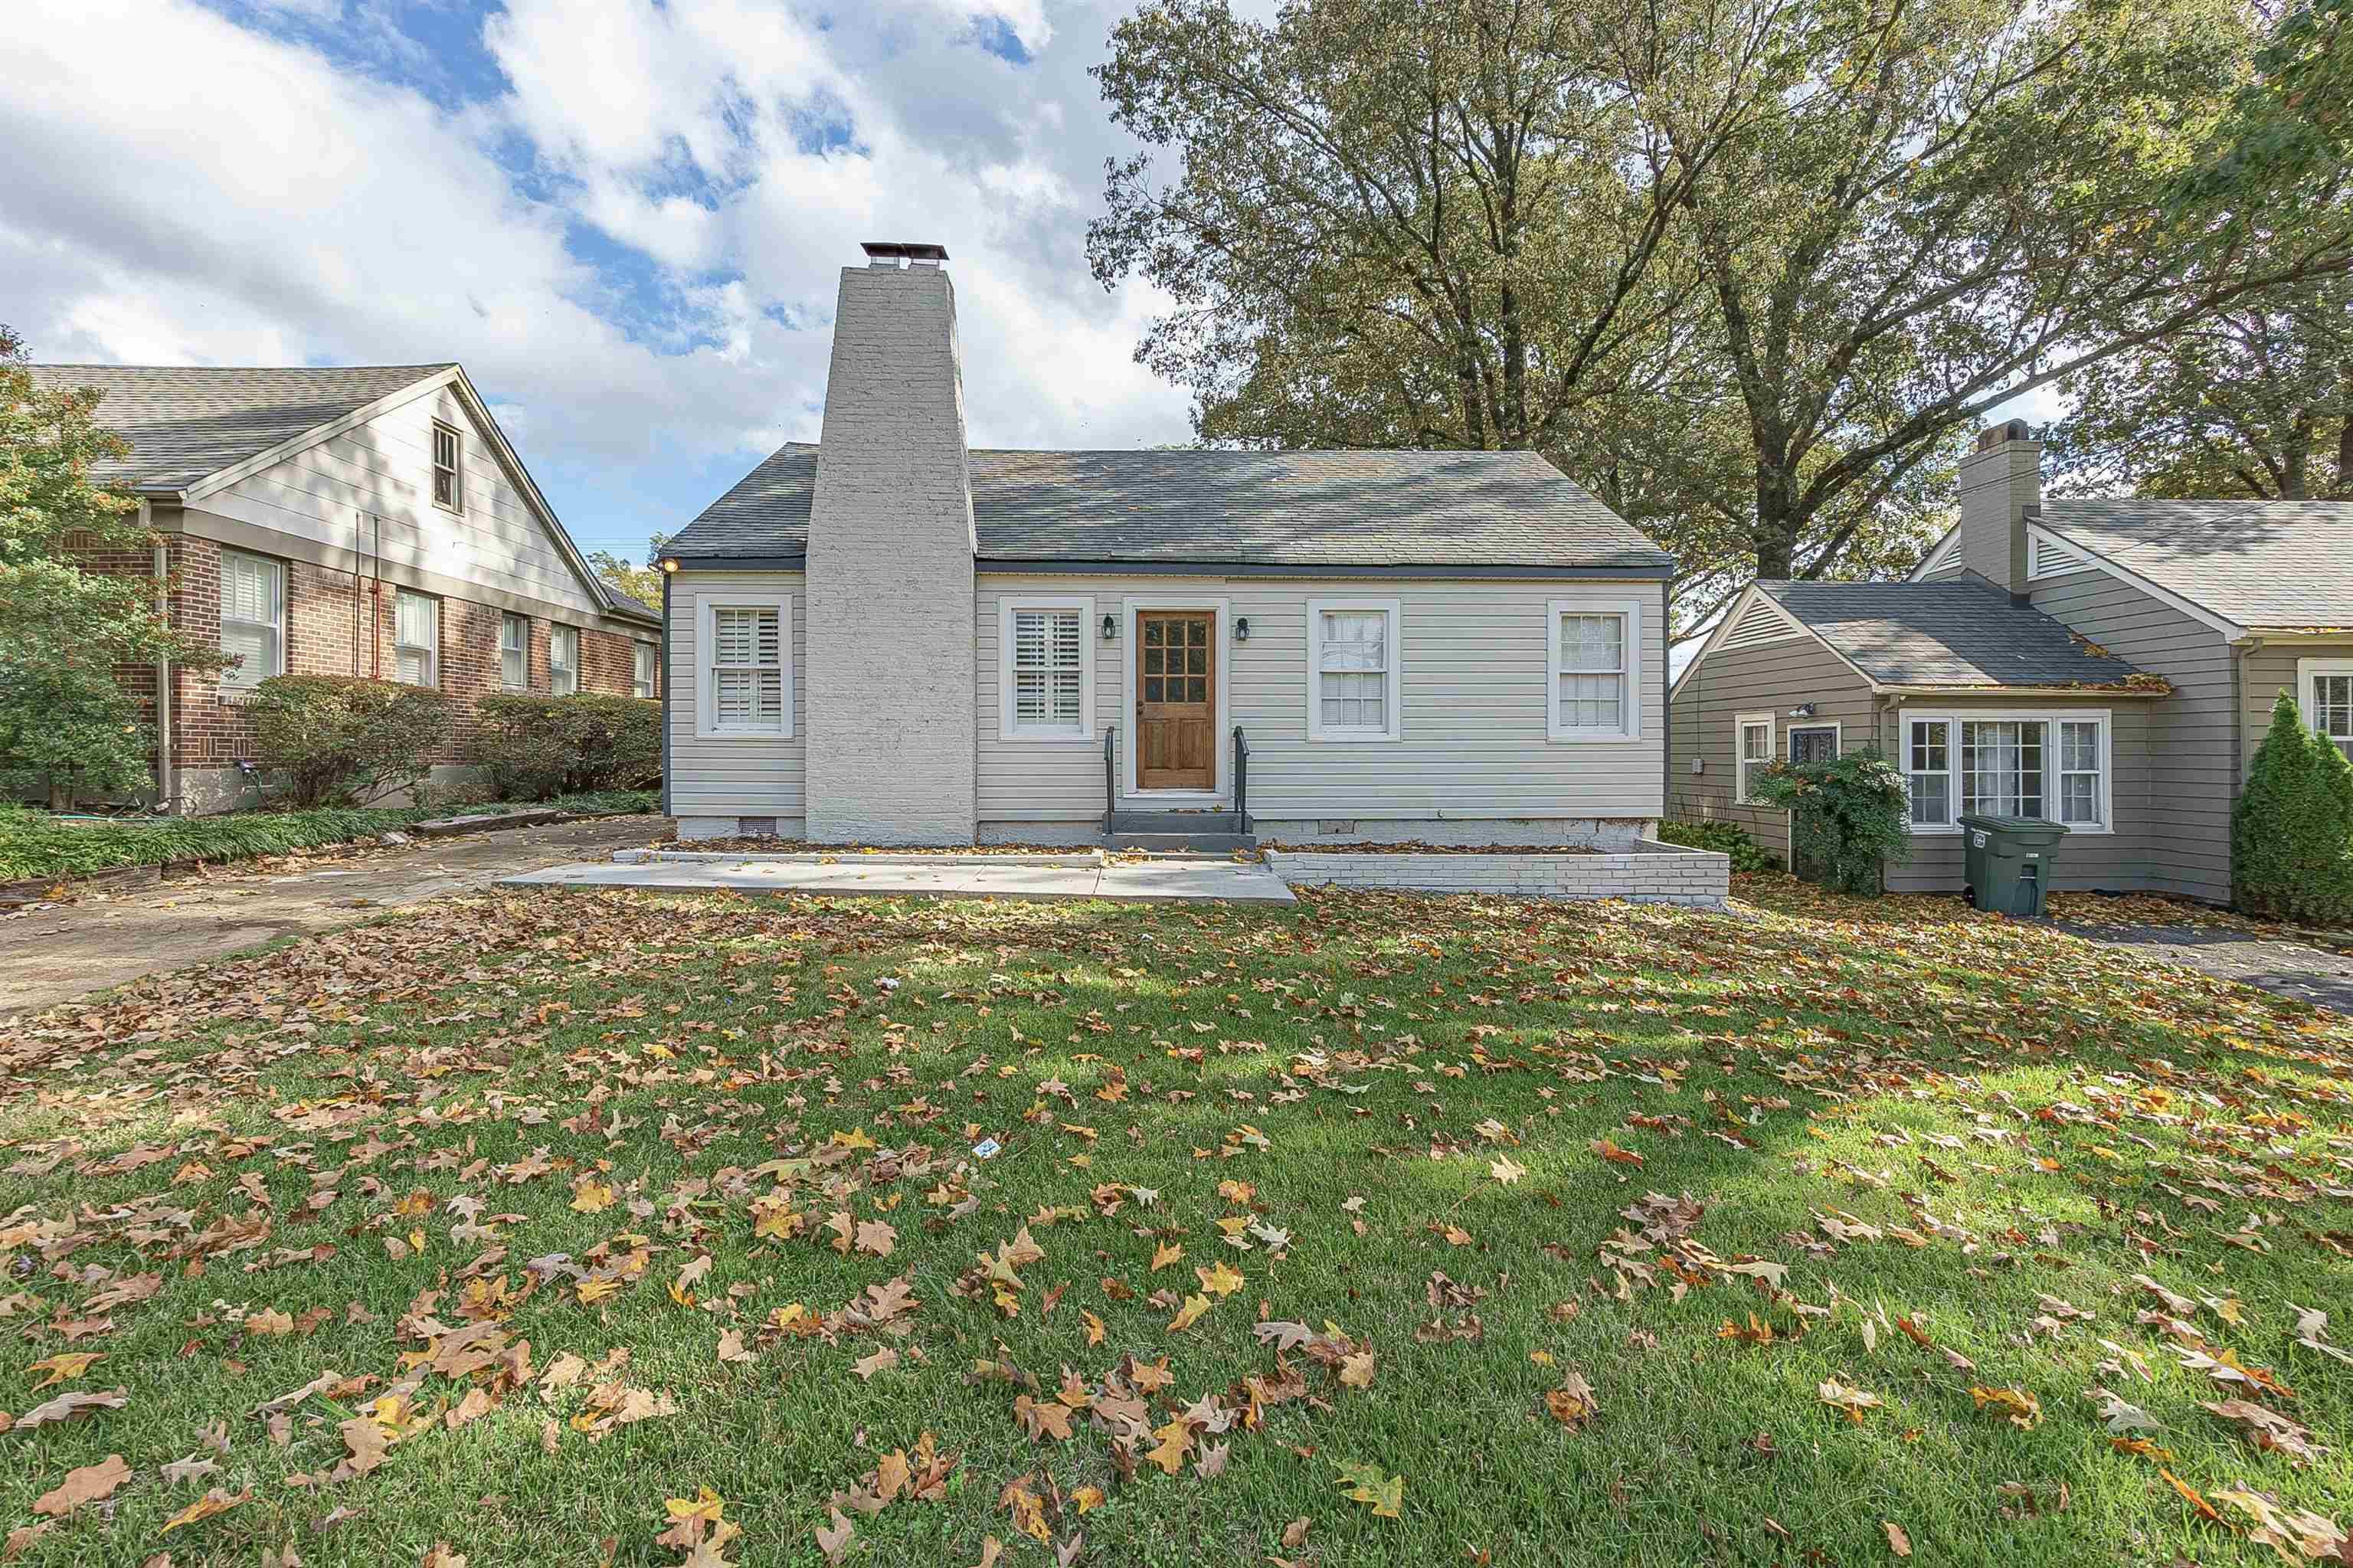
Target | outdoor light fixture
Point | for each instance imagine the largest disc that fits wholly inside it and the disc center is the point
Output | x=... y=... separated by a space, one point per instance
x=1111 y=627
x=1803 y=710
x=669 y=564
x=1241 y=628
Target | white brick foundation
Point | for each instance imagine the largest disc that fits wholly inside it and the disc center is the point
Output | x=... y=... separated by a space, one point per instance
x=1651 y=872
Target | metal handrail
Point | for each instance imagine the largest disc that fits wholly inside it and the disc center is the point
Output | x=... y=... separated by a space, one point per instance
x=1111 y=767
x=1241 y=780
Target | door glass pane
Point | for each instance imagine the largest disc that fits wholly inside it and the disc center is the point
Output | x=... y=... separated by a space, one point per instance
x=1197 y=632
x=1151 y=685
x=1198 y=661
x=1152 y=657
x=1151 y=633
x=1199 y=690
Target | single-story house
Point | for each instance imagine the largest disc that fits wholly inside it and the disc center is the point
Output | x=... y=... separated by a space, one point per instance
x=2108 y=664
x=368 y=520
x=887 y=638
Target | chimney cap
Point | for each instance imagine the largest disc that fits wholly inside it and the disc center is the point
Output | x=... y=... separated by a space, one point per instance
x=1993 y=436
x=894 y=249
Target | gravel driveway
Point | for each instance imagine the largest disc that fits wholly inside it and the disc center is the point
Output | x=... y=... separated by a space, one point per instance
x=53 y=955
x=2307 y=972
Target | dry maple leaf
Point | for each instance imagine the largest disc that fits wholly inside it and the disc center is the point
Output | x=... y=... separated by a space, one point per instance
x=833 y=1536
x=88 y=1484
x=1356 y=1370
x=1188 y=1314
x=65 y=1367
x=1506 y=1169
x=731 y=1347
x=1572 y=1403
x=1849 y=1401
x=1220 y=1278
x=2017 y=1407
x=214 y=1501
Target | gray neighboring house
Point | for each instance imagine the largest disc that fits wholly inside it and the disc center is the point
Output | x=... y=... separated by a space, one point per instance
x=2107 y=663
x=889 y=637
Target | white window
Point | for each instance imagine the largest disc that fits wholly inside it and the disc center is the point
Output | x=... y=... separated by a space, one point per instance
x=515 y=653
x=415 y=638
x=1754 y=749
x=1813 y=743
x=747 y=660
x=252 y=619
x=563 y=660
x=2325 y=691
x=1594 y=655
x=1354 y=670
x=641 y=674
x=2048 y=767
x=448 y=468
x=1045 y=669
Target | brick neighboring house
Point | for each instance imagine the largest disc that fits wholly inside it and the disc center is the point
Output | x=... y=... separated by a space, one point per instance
x=359 y=520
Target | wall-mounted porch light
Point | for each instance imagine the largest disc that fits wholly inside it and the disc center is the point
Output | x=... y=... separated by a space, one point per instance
x=1241 y=628
x=669 y=564
x=1110 y=626
x=1803 y=710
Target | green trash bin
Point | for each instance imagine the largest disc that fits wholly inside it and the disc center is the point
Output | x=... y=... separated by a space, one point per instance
x=2008 y=862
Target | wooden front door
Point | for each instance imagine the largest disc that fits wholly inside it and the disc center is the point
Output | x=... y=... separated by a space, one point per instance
x=1176 y=699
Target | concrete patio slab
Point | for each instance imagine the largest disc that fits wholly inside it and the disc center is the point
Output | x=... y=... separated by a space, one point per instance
x=1001 y=876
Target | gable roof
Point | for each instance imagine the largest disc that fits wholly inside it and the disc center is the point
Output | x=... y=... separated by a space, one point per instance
x=185 y=423
x=1964 y=633
x=2270 y=563
x=1323 y=509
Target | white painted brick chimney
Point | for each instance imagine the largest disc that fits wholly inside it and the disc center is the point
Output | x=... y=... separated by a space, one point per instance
x=1999 y=482
x=892 y=716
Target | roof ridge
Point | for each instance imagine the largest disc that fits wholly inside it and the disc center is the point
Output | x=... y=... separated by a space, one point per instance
x=100 y=365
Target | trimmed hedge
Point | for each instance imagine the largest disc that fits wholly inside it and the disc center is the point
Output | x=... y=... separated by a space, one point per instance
x=2292 y=832
x=539 y=746
x=348 y=740
x=1725 y=838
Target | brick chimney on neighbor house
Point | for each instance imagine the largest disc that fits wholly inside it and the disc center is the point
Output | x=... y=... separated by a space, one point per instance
x=893 y=721
x=2000 y=483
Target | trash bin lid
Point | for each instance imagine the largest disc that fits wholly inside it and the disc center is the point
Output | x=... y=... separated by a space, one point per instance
x=2009 y=824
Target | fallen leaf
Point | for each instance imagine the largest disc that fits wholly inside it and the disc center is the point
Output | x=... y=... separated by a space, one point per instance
x=88 y=1484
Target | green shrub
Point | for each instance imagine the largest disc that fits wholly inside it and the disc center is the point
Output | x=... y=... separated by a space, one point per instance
x=345 y=739
x=2292 y=832
x=1847 y=817
x=68 y=733
x=540 y=747
x=1725 y=838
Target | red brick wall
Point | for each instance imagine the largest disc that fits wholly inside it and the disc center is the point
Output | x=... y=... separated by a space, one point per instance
x=337 y=623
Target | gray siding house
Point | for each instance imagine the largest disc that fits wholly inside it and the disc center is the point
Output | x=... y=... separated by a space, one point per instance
x=2110 y=664
x=889 y=637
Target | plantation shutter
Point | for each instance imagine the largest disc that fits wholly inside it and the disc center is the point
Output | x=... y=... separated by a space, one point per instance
x=1047 y=654
x=747 y=675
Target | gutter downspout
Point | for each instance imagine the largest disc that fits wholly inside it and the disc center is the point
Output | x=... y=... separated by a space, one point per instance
x=1667 y=658
x=665 y=694
x=164 y=792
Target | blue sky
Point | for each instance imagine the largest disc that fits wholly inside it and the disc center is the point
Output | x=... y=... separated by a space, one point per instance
x=625 y=216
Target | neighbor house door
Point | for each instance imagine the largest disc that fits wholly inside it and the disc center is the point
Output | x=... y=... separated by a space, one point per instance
x=1176 y=699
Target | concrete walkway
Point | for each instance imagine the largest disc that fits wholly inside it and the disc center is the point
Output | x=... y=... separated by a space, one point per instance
x=1079 y=875
x=2305 y=972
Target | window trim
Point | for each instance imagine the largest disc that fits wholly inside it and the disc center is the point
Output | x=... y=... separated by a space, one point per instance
x=239 y=680
x=706 y=696
x=1838 y=736
x=512 y=617
x=432 y=682
x=554 y=688
x=1008 y=726
x=1741 y=724
x=2307 y=672
x=2104 y=717
x=1392 y=687
x=1633 y=672
x=456 y=504
x=640 y=649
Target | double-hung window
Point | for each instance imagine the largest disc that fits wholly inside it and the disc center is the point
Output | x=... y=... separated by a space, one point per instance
x=563 y=660
x=252 y=619
x=2324 y=691
x=1594 y=656
x=747 y=664
x=515 y=653
x=2046 y=766
x=448 y=468
x=1045 y=669
x=1754 y=738
x=1354 y=670
x=641 y=670
x=415 y=638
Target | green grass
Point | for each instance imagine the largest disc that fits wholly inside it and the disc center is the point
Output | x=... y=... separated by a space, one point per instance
x=33 y=843
x=344 y=1132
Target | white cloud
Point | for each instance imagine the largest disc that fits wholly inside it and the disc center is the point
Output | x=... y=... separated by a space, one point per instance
x=199 y=191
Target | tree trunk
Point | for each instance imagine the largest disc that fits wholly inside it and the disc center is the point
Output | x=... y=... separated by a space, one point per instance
x=1776 y=520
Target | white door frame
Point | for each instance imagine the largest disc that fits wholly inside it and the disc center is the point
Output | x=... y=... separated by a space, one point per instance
x=1218 y=606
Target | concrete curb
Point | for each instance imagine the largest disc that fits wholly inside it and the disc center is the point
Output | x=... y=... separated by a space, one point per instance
x=1654 y=873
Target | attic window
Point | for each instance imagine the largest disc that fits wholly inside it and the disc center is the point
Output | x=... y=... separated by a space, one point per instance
x=449 y=472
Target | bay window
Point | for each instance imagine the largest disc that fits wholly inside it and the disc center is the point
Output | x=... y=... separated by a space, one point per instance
x=2046 y=766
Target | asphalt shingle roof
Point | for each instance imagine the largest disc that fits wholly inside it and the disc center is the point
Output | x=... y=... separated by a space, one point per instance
x=185 y=422
x=2259 y=563
x=1310 y=508
x=1945 y=633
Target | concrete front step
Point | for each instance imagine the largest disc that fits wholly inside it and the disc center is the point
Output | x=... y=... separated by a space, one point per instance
x=1177 y=822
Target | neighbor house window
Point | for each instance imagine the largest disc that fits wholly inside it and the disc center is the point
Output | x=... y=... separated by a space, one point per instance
x=448 y=471
x=2047 y=767
x=2325 y=688
x=253 y=618
x=1813 y=743
x=747 y=665
x=1045 y=669
x=563 y=660
x=641 y=672
x=515 y=653
x=416 y=638
x=1754 y=741
x=1594 y=656
x=1354 y=666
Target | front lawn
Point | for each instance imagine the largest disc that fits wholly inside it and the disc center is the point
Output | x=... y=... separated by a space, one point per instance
x=580 y=1228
